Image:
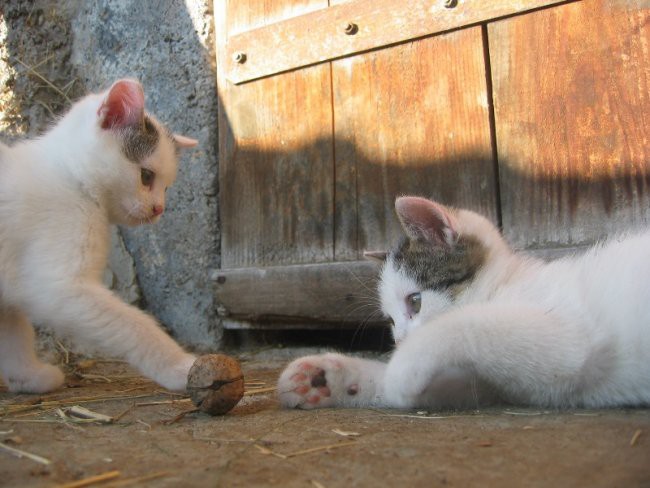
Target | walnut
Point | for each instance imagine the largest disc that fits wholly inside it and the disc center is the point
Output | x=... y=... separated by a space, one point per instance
x=215 y=383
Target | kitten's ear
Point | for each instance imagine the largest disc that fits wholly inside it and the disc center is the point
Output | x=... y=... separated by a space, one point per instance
x=425 y=220
x=379 y=256
x=123 y=106
x=184 y=142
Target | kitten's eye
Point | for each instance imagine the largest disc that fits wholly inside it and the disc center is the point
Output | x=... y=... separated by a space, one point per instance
x=413 y=303
x=147 y=176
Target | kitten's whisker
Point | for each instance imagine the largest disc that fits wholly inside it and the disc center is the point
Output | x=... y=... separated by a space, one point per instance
x=360 y=281
x=364 y=324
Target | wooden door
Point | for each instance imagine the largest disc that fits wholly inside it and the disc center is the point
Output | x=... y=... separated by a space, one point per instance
x=535 y=116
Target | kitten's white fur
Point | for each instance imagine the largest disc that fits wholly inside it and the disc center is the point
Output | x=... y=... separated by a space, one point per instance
x=58 y=195
x=572 y=332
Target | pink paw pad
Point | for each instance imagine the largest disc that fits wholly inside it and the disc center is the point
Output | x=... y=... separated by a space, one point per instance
x=311 y=383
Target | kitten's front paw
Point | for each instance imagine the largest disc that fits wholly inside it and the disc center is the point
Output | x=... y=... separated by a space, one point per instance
x=317 y=382
x=40 y=378
x=174 y=377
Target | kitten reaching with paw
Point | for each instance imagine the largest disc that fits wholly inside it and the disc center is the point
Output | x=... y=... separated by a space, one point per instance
x=476 y=323
x=107 y=161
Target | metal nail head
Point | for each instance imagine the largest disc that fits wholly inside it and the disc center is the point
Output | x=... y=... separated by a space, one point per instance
x=451 y=3
x=350 y=28
x=239 y=58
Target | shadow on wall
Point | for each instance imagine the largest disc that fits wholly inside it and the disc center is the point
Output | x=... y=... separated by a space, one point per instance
x=57 y=51
x=330 y=201
x=272 y=201
x=38 y=82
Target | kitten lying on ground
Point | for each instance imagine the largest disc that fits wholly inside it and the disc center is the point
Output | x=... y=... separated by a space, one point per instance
x=476 y=323
x=105 y=162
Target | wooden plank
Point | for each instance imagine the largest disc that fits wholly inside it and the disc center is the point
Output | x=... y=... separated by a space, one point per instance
x=321 y=35
x=572 y=105
x=411 y=119
x=275 y=172
x=335 y=293
x=233 y=324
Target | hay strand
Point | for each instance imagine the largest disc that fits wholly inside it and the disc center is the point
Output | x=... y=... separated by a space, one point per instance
x=44 y=80
x=311 y=450
x=19 y=453
x=635 y=438
x=92 y=480
x=138 y=480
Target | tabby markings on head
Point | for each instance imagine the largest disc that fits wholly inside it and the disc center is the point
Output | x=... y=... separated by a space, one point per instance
x=140 y=141
x=440 y=268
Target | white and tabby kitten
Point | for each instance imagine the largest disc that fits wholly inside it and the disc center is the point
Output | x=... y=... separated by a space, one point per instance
x=476 y=323
x=107 y=161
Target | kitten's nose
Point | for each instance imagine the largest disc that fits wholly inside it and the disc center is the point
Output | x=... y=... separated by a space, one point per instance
x=157 y=210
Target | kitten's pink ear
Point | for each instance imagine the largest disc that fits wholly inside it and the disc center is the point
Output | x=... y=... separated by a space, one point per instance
x=123 y=105
x=379 y=256
x=184 y=142
x=425 y=220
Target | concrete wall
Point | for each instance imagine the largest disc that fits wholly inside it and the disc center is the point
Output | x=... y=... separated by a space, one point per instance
x=75 y=46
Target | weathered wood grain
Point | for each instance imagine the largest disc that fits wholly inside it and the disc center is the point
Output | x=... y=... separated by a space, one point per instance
x=411 y=119
x=320 y=35
x=334 y=293
x=275 y=174
x=572 y=105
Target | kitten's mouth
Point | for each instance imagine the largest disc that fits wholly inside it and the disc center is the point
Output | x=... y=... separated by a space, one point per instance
x=150 y=219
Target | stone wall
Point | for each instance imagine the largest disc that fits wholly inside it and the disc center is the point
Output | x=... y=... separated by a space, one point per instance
x=52 y=52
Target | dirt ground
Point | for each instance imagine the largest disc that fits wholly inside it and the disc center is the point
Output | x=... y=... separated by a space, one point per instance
x=150 y=443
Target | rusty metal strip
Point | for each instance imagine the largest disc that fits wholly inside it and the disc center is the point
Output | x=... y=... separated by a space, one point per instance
x=354 y=27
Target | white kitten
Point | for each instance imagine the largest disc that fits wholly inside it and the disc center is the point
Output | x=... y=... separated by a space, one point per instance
x=476 y=323
x=105 y=162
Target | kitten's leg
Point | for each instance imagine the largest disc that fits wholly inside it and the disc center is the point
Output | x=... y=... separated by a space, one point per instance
x=19 y=366
x=91 y=314
x=331 y=380
x=528 y=354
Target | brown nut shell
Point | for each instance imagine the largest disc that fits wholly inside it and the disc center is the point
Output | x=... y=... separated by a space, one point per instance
x=215 y=383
